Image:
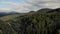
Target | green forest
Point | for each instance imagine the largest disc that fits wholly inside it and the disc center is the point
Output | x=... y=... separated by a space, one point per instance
x=39 y=22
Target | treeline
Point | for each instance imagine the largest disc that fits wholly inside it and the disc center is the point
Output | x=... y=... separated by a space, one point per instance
x=36 y=23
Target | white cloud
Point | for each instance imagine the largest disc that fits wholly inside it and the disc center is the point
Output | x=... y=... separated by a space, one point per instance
x=19 y=7
x=36 y=1
x=4 y=9
x=44 y=3
x=29 y=5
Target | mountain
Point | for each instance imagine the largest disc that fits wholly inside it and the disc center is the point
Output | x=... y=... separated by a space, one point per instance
x=46 y=22
x=2 y=13
x=44 y=10
x=13 y=12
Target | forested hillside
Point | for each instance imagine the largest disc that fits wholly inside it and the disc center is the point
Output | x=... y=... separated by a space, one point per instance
x=46 y=22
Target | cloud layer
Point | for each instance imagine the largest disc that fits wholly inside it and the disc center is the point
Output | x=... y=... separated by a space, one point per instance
x=45 y=3
x=29 y=5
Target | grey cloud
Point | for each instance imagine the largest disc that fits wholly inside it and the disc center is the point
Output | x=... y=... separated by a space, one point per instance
x=30 y=5
x=44 y=3
x=37 y=4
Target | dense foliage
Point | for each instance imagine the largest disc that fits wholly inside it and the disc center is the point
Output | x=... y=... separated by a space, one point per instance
x=34 y=23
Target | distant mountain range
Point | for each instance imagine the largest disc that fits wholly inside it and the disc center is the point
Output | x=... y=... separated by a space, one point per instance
x=4 y=13
x=44 y=9
x=9 y=13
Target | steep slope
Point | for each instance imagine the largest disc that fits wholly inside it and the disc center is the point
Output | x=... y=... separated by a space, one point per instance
x=10 y=17
x=35 y=23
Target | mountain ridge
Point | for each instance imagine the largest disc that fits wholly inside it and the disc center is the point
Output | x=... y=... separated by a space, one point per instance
x=46 y=22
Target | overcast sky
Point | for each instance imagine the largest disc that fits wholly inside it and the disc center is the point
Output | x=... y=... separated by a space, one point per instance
x=27 y=5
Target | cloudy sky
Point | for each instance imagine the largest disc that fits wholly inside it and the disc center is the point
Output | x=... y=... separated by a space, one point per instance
x=27 y=5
